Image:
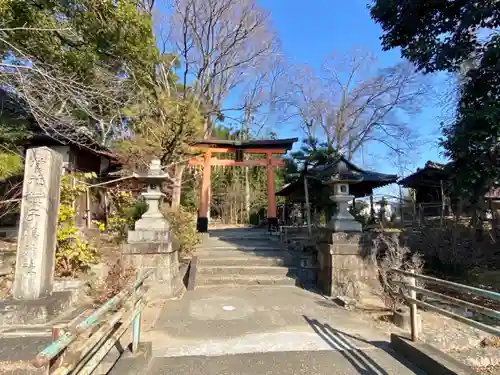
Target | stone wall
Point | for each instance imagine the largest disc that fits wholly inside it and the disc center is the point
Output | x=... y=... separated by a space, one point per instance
x=344 y=264
x=158 y=257
x=163 y=264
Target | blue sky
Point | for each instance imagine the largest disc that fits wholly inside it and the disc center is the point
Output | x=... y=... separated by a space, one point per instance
x=311 y=32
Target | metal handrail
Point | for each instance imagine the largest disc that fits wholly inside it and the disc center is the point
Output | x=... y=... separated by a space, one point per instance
x=410 y=285
x=93 y=337
x=450 y=284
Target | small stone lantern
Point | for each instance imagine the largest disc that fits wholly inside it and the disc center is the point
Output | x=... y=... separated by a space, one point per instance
x=153 y=219
x=149 y=245
x=342 y=220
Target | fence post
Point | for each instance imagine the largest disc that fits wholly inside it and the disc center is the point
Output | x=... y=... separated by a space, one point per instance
x=136 y=326
x=413 y=307
x=57 y=331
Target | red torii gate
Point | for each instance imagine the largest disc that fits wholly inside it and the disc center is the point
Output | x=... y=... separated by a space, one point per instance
x=266 y=147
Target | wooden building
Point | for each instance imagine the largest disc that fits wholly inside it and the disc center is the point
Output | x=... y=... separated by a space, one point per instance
x=77 y=157
x=428 y=185
x=319 y=192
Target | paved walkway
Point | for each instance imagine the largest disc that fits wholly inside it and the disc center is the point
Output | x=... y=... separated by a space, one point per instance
x=266 y=330
x=284 y=363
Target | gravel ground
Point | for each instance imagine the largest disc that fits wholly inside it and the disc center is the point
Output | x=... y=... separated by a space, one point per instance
x=461 y=341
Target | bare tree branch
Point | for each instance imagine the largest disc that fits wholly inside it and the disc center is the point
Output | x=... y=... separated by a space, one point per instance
x=64 y=107
x=222 y=43
x=349 y=104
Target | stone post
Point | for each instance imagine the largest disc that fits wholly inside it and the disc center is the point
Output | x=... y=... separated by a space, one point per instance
x=37 y=237
x=150 y=243
x=342 y=220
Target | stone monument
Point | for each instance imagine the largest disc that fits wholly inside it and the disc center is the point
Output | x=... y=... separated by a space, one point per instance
x=342 y=220
x=149 y=245
x=37 y=238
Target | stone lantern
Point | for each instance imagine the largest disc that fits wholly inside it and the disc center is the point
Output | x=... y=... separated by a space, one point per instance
x=149 y=245
x=342 y=220
x=153 y=219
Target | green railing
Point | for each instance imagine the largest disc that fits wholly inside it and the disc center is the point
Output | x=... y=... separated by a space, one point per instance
x=410 y=291
x=81 y=346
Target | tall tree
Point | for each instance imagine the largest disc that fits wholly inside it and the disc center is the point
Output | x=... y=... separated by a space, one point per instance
x=258 y=97
x=220 y=44
x=438 y=35
x=472 y=140
x=446 y=36
x=74 y=65
x=80 y=36
x=162 y=124
x=350 y=104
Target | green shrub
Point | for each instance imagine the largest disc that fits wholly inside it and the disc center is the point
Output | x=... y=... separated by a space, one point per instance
x=73 y=254
x=126 y=211
x=10 y=164
x=183 y=224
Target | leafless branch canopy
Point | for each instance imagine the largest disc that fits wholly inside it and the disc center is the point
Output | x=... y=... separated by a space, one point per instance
x=221 y=43
x=64 y=107
x=350 y=105
x=61 y=104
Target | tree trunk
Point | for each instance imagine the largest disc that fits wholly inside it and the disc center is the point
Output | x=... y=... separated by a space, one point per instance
x=308 y=207
x=177 y=186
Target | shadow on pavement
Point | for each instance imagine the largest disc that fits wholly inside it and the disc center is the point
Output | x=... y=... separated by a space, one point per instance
x=358 y=358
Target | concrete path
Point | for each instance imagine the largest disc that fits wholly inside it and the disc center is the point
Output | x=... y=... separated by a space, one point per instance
x=375 y=362
x=254 y=330
x=228 y=327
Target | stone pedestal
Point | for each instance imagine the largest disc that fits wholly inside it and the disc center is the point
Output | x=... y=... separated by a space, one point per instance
x=344 y=267
x=37 y=311
x=152 y=220
x=36 y=248
x=342 y=220
x=152 y=249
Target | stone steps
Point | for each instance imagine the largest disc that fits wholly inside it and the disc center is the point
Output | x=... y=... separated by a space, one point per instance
x=232 y=260
x=228 y=253
x=239 y=237
x=221 y=247
x=243 y=280
x=238 y=270
x=245 y=268
x=242 y=242
x=240 y=258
